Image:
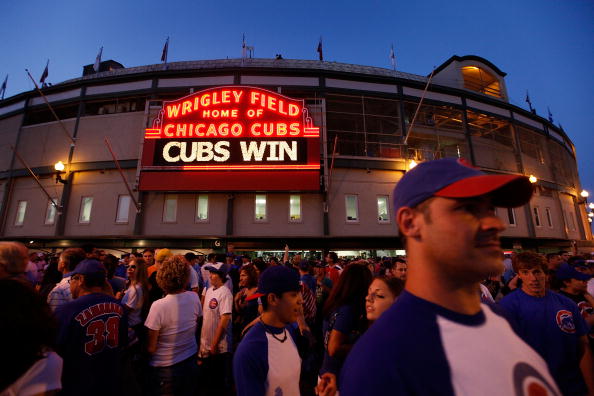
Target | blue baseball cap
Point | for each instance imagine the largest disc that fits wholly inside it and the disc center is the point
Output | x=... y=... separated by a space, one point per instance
x=456 y=178
x=91 y=268
x=223 y=270
x=277 y=279
x=566 y=271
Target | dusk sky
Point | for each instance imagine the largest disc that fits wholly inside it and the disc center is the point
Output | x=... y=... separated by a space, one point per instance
x=545 y=47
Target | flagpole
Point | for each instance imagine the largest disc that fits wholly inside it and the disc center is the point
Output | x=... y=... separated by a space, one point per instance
x=36 y=179
x=117 y=163
x=51 y=109
x=4 y=86
x=419 y=106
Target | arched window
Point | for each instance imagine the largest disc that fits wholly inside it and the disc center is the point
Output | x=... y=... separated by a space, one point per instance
x=479 y=80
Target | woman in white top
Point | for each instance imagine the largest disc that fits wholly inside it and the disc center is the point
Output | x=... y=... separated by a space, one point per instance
x=136 y=295
x=172 y=323
x=28 y=366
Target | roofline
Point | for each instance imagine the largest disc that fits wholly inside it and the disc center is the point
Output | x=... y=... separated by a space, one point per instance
x=469 y=58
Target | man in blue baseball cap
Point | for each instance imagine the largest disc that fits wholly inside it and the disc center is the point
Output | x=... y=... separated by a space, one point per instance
x=268 y=360
x=92 y=335
x=445 y=212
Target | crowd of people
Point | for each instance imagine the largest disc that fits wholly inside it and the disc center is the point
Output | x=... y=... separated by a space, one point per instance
x=153 y=322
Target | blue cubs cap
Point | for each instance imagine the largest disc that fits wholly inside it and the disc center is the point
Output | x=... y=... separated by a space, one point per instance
x=222 y=270
x=277 y=279
x=455 y=178
x=566 y=271
x=91 y=268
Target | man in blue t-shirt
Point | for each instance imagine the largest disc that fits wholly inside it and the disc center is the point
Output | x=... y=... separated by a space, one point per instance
x=268 y=361
x=437 y=338
x=549 y=322
x=92 y=334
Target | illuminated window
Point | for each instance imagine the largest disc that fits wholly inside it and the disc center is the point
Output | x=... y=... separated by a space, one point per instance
x=352 y=208
x=202 y=208
x=86 y=205
x=123 y=210
x=50 y=212
x=479 y=80
x=549 y=217
x=295 y=208
x=20 y=214
x=170 y=208
x=382 y=209
x=536 y=216
x=511 y=217
x=260 y=207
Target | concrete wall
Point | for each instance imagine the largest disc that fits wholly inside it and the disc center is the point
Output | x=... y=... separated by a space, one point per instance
x=9 y=129
x=45 y=144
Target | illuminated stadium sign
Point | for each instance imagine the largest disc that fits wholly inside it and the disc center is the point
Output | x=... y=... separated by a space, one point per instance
x=231 y=138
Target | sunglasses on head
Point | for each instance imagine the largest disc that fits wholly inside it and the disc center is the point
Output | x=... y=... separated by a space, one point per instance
x=131 y=266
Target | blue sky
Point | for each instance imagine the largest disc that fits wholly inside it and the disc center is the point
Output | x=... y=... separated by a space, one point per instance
x=546 y=47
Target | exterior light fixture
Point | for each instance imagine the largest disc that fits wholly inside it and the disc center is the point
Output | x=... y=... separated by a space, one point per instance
x=532 y=179
x=591 y=206
x=412 y=164
x=590 y=219
x=590 y=214
x=585 y=194
x=59 y=167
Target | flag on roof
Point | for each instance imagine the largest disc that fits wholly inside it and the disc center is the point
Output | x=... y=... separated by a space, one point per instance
x=3 y=88
x=45 y=73
x=98 y=60
x=320 y=51
x=392 y=57
x=165 y=51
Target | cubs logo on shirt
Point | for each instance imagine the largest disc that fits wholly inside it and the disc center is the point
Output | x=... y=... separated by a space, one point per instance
x=529 y=382
x=565 y=321
x=213 y=303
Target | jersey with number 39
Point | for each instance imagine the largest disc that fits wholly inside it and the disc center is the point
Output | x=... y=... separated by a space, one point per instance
x=93 y=332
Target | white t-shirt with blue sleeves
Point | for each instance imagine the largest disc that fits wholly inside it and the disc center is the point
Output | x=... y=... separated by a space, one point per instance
x=265 y=365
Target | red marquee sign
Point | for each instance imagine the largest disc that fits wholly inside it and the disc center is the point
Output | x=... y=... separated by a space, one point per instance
x=231 y=138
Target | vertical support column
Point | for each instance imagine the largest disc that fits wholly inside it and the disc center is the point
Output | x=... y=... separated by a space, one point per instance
x=230 y=213
x=67 y=189
x=467 y=132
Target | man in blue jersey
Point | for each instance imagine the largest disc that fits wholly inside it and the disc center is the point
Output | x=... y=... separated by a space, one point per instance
x=268 y=361
x=92 y=334
x=550 y=322
x=437 y=338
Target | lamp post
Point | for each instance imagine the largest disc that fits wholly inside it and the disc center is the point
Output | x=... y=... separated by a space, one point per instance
x=59 y=167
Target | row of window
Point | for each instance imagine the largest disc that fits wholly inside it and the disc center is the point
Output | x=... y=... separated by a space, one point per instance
x=260 y=211
x=84 y=214
x=570 y=222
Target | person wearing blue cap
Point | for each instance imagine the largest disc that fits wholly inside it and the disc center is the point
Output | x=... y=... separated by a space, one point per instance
x=268 y=360
x=92 y=335
x=550 y=322
x=437 y=338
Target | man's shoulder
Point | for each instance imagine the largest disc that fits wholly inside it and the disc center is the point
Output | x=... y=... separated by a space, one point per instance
x=254 y=344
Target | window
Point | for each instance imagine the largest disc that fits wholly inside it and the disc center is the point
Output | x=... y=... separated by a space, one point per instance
x=382 y=209
x=20 y=214
x=260 y=207
x=352 y=208
x=170 y=208
x=479 y=80
x=86 y=204
x=50 y=212
x=295 y=208
x=549 y=217
x=511 y=217
x=202 y=208
x=123 y=210
x=536 y=216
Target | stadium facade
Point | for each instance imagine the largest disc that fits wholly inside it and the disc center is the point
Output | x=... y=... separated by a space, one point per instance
x=260 y=153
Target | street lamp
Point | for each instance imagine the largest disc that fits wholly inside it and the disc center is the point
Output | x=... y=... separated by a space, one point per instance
x=585 y=194
x=59 y=167
x=591 y=206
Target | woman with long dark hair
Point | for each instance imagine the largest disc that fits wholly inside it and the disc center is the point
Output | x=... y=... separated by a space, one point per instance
x=344 y=316
x=245 y=311
x=136 y=295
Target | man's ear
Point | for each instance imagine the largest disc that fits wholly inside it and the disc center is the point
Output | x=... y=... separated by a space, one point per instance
x=408 y=221
x=272 y=299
